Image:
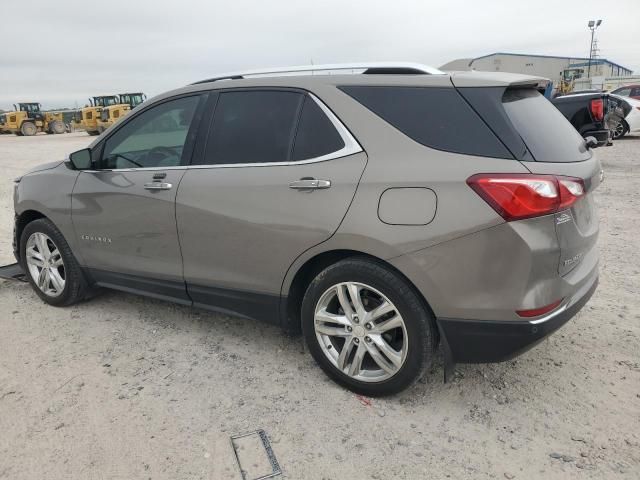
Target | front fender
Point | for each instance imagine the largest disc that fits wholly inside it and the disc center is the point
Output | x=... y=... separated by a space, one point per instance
x=48 y=192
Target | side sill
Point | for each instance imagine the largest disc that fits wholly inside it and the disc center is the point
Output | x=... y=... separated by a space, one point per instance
x=167 y=290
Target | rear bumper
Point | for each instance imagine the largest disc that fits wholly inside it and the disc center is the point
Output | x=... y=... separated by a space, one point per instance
x=485 y=341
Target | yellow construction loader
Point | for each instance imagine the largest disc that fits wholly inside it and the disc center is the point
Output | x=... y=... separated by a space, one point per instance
x=28 y=119
x=113 y=113
x=87 y=118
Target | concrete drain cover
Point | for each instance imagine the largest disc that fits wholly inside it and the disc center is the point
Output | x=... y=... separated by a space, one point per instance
x=255 y=456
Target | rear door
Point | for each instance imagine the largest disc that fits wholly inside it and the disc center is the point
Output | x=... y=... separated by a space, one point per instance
x=276 y=177
x=123 y=211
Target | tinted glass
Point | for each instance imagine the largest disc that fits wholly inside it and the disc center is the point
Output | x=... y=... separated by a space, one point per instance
x=253 y=127
x=155 y=138
x=546 y=132
x=623 y=92
x=436 y=117
x=316 y=135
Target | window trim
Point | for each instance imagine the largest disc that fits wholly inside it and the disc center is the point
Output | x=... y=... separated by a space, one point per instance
x=351 y=145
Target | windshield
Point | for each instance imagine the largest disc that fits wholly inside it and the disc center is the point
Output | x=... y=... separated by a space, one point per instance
x=105 y=101
x=29 y=107
x=133 y=99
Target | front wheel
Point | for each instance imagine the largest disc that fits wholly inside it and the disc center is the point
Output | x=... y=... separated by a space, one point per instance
x=367 y=327
x=51 y=268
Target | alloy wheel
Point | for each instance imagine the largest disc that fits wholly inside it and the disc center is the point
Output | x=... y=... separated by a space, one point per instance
x=618 y=131
x=361 y=332
x=45 y=264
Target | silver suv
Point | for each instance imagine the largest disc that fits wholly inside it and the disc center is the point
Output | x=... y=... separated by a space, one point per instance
x=382 y=209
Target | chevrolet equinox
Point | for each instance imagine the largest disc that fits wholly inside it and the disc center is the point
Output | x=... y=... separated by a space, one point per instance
x=384 y=210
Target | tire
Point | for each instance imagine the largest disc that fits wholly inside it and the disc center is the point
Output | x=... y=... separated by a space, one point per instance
x=28 y=129
x=413 y=339
x=620 y=130
x=93 y=133
x=74 y=284
x=57 y=127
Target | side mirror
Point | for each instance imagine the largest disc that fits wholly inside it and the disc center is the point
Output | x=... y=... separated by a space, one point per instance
x=591 y=142
x=81 y=160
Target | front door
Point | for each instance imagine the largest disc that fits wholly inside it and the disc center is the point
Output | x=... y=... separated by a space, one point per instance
x=123 y=211
x=276 y=178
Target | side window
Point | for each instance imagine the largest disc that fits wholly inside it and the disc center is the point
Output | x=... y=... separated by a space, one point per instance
x=635 y=92
x=316 y=135
x=255 y=126
x=623 y=92
x=433 y=116
x=154 y=138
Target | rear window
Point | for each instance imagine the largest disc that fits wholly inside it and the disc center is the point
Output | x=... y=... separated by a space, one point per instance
x=435 y=117
x=547 y=133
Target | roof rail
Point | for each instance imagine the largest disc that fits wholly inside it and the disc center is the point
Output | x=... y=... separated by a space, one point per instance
x=387 y=68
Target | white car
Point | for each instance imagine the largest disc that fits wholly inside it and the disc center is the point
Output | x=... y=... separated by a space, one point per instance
x=631 y=122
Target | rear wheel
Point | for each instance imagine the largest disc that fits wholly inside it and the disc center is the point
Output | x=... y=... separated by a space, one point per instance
x=620 y=129
x=28 y=129
x=367 y=327
x=51 y=268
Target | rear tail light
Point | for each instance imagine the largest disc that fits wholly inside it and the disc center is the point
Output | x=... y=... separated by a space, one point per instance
x=519 y=196
x=535 y=312
x=597 y=109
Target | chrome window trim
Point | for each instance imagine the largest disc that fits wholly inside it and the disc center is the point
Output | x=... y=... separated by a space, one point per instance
x=351 y=146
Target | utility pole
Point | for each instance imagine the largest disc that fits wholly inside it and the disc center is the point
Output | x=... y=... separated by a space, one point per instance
x=593 y=25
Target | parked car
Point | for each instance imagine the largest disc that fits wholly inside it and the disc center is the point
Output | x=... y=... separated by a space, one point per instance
x=632 y=91
x=382 y=213
x=591 y=114
x=631 y=121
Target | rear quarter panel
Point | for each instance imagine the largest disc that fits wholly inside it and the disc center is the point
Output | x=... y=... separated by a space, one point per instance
x=397 y=161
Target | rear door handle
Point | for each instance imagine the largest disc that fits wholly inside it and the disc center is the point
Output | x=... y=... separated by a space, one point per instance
x=157 y=186
x=310 y=184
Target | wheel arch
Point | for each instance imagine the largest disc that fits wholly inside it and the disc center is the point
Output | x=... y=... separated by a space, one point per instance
x=22 y=220
x=292 y=297
x=627 y=127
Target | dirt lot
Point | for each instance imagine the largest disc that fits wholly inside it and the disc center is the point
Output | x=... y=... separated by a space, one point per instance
x=123 y=387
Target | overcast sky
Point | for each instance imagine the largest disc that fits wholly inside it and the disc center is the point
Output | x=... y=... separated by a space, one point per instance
x=59 y=53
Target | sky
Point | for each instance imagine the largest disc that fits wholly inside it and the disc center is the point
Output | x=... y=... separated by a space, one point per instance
x=60 y=53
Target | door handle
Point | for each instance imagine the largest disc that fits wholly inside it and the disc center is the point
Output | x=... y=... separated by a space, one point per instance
x=310 y=184
x=157 y=186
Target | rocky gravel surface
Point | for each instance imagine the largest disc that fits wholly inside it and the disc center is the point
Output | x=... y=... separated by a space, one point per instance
x=124 y=387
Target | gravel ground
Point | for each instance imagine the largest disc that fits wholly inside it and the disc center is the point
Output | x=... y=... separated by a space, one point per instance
x=124 y=387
